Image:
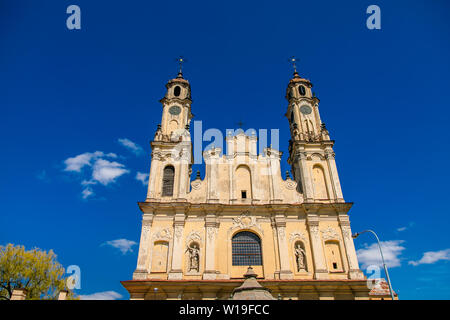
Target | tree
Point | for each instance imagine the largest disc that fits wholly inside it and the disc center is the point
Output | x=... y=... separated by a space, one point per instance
x=35 y=270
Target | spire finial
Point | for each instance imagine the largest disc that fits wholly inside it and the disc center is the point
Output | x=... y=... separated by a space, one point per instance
x=180 y=60
x=294 y=61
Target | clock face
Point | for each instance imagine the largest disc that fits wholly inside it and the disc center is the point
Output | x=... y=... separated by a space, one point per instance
x=305 y=109
x=175 y=110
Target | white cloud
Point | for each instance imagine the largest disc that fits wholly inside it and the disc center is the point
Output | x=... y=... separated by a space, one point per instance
x=78 y=162
x=105 y=295
x=134 y=147
x=106 y=172
x=123 y=245
x=370 y=255
x=405 y=227
x=101 y=170
x=86 y=193
x=430 y=257
x=142 y=177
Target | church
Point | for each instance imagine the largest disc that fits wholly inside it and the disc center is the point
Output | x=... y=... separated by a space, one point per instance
x=199 y=236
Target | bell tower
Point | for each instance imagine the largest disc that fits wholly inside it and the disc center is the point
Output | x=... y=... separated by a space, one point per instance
x=311 y=154
x=171 y=147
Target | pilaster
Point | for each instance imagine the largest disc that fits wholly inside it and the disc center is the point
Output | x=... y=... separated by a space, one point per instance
x=320 y=269
x=142 y=268
x=211 y=227
x=280 y=226
x=176 y=273
x=305 y=175
x=354 y=271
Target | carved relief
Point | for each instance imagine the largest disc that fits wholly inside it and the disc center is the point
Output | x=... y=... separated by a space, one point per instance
x=211 y=232
x=290 y=184
x=178 y=232
x=144 y=244
x=163 y=235
x=196 y=184
x=330 y=234
x=245 y=221
x=297 y=235
x=346 y=232
x=194 y=236
x=281 y=232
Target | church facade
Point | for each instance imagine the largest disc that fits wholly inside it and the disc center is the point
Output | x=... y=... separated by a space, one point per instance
x=199 y=236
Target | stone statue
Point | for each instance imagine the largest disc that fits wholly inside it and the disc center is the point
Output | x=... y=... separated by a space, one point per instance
x=300 y=255
x=194 y=257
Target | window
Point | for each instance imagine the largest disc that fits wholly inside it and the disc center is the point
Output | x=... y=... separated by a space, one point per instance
x=333 y=255
x=244 y=194
x=176 y=91
x=168 y=177
x=301 y=90
x=246 y=249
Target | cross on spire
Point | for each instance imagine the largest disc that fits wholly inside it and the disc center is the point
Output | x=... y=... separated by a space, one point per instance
x=180 y=60
x=294 y=60
x=240 y=124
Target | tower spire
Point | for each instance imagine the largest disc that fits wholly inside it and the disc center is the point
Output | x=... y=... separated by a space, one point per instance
x=294 y=60
x=180 y=60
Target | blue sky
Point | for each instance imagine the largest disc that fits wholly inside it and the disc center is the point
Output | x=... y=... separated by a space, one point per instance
x=64 y=93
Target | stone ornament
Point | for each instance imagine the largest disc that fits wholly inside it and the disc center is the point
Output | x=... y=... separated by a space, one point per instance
x=330 y=234
x=193 y=236
x=211 y=232
x=290 y=184
x=196 y=184
x=163 y=234
x=245 y=221
x=297 y=235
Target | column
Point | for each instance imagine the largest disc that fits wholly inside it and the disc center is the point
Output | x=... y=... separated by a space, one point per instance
x=176 y=272
x=184 y=170
x=142 y=268
x=280 y=224
x=154 y=166
x=354 y=271
x=211 y=227
x=306 y=176
x=329 y=154
x=320 y=269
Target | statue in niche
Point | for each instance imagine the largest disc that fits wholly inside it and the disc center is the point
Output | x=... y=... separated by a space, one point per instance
x=194 y=257
x=300 y=256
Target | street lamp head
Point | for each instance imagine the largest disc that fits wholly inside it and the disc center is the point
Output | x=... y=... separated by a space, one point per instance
x=355 y=235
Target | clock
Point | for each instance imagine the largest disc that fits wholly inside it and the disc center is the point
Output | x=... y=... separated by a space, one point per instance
x=305 y=109
x=175 y=110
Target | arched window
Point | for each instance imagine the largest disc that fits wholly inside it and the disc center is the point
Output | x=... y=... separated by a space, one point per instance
x=246 y=249
x=243 y=182
x=333 y=254
x=168 y=177
x=301 y=90
x=176 y=91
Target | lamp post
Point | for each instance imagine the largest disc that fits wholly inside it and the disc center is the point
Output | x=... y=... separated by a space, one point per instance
x=354 y=236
